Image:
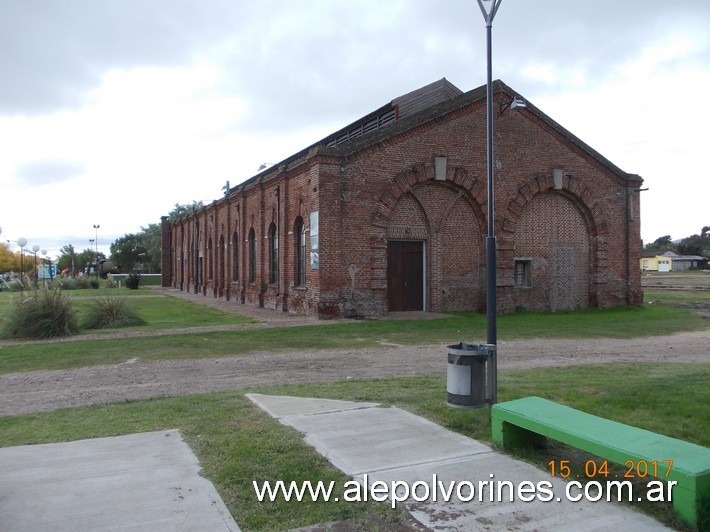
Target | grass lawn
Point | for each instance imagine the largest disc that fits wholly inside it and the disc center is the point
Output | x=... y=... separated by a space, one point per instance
x=166 y=312
x=163 y=312
x=6 y=296
x=160 y=312
x=237 y=443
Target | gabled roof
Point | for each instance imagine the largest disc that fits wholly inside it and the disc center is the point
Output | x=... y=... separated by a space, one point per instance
x=647 y=254
x=670 y=254
x=429 y=104
x=677 y=256
x=440 y=110
x=399 y=108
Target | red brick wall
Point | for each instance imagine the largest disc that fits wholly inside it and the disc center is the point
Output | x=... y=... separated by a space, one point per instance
x=580 y=234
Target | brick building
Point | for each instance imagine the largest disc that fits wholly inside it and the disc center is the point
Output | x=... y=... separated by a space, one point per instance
x=389 y=214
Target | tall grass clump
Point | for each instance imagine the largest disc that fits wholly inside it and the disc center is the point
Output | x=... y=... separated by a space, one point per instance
x=46 y=314
x=133 y=281
x=111 y=312
x=73 y=283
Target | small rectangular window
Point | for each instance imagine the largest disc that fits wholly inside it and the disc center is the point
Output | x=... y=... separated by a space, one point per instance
x=523 y=273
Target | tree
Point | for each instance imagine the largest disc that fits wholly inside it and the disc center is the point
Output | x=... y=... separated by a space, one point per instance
x=67 y=259
x=151 y=242
x=184 y=210
x=9 y=261
x=663 y=242
x=138 y=251
x=127 y=251
x=696 y=244
x=12 y=261
x=86 y=257
x=141 y=251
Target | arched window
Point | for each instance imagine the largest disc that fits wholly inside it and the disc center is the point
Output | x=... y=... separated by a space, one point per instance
x=299 y=230
x=222 y=258
x=210 y=258
x=235 y=257
x=252 y=256
x=273 y=254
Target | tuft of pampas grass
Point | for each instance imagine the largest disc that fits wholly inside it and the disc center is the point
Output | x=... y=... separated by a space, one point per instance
x=46 y=314
x=111 y=312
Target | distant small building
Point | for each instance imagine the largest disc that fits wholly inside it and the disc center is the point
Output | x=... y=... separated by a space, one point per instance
x=651 y=261
x=670 y=261
x=683 y=263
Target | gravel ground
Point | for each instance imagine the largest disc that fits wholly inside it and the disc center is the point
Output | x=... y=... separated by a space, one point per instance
x=42 y=391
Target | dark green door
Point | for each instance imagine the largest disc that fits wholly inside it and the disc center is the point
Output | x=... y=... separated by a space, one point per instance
x=405 y=275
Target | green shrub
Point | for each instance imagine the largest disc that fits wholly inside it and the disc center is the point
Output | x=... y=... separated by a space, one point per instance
x=111 y=312
x=133 y=281
x=13 y=286
x=75 y=283
x=46 y=314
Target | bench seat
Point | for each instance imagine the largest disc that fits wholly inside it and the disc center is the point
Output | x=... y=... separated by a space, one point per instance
x=524 y=421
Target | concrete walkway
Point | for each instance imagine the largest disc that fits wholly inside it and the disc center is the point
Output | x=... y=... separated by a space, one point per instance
x=141 y=482
x=372 y=443
x=151 y=481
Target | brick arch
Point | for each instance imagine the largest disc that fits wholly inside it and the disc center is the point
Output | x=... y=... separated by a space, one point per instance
x=592 y=211
x=419 y=232
x=406 y=181
x=458 y=179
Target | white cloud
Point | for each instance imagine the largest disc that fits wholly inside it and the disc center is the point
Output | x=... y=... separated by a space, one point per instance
x=135 y=106
x=48 y=171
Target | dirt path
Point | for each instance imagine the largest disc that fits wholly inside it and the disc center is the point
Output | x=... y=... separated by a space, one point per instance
x=42 y=391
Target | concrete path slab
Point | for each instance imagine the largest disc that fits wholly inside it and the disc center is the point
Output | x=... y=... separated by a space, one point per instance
x=374 y=439
x=391 y=445
x=148 y=481
x=279 y=406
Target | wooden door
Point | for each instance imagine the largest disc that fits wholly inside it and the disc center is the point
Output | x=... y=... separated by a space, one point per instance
x=405 y=275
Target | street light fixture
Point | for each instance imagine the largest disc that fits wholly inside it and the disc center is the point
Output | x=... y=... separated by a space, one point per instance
x=489 y=8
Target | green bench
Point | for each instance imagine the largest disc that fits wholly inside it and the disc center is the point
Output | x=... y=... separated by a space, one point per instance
x=525 y=421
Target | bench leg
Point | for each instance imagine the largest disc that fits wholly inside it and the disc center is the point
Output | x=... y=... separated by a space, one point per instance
x=507 y=435
x=691 y=500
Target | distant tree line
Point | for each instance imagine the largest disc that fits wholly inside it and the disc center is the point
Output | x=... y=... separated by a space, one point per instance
x=133 y=252
x=140 y=252
x=691 y=245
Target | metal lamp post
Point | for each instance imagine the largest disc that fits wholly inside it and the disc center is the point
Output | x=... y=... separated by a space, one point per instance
x=88 y=266
x=35 y=249
x=49 y=263
x=489 y=8
x=22 y=242
x=96 y=244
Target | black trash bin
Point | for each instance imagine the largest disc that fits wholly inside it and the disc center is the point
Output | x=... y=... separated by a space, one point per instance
x=466 y=374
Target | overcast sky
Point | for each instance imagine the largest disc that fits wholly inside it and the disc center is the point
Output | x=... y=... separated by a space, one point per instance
x=113 y=111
